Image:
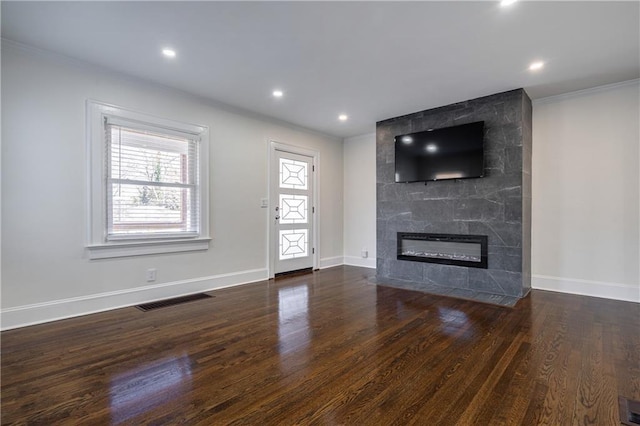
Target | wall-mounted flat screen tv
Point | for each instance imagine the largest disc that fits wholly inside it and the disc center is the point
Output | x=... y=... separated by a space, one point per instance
x=448 y=153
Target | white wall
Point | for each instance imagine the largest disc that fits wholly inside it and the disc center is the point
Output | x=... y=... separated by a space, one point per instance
x=586 y=192
x=360 y=200
x=45 y=270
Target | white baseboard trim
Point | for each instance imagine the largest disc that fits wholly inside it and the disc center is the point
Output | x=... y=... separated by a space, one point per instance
x=329 y=262
x=605 y=290
x=368 y=262
x=37 y=313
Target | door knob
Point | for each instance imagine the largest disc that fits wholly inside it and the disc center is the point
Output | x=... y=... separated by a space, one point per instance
x=277 y=217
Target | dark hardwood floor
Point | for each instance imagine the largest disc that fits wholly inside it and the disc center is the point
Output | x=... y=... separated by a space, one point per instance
x=329 y=348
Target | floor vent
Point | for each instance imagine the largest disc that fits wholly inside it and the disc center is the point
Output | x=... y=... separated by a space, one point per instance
x=629 y=411
x=170 y=302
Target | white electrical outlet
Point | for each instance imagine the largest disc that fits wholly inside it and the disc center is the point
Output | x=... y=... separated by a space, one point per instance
x=151 y=275
x=364 y=253
x=264 y=203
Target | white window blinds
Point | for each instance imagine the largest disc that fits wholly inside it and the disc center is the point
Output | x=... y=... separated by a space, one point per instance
x=152 y=182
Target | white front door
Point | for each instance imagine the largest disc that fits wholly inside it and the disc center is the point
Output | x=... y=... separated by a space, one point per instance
x=292 y=211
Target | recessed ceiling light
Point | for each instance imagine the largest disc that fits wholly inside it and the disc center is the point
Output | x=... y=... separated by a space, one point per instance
x=277 y=93
x=504 y=3
x=343 y=117
x=169 y=53
x=535 y=66
x=431 y=148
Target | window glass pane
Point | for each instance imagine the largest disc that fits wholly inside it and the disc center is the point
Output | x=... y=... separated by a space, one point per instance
x=293 y=244
x=293 y=208
x=293 y=174
x=150 y=209
x=149 y=157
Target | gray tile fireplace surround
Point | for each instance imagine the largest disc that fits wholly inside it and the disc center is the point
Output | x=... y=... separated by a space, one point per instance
x=497 y=205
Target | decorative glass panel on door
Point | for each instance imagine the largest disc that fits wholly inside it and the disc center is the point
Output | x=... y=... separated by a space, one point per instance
x=293 y=174
x=293 y=208
x=293 y=244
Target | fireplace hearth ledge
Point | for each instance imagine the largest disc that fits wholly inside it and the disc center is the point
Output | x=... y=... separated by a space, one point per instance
x=460 y=293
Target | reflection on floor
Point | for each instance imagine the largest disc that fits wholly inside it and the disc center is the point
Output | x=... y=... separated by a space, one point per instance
x=495 y=299
x=144 y=388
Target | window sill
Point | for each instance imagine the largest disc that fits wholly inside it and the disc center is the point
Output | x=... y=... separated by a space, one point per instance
x=141 y=248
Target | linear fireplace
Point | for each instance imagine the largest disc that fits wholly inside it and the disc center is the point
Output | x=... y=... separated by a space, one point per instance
x=448 y=249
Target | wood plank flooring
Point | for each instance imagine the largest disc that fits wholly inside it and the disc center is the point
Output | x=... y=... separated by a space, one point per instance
x=329 y=349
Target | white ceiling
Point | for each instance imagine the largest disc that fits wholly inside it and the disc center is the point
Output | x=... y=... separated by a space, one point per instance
x=370 y=60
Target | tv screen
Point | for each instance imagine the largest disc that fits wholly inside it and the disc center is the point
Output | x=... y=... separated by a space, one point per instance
x=447 y=153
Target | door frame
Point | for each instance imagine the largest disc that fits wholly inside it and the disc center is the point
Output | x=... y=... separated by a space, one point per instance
x=272 y=238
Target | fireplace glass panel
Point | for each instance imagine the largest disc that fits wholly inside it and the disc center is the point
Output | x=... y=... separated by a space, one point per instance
x=449 y=249
x=469 y=252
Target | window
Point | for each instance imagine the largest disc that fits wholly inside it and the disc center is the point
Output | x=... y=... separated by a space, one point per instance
x=152 y=183
x=148 y=191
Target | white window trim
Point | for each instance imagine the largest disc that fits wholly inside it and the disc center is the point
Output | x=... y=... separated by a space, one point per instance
x=97 y=245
